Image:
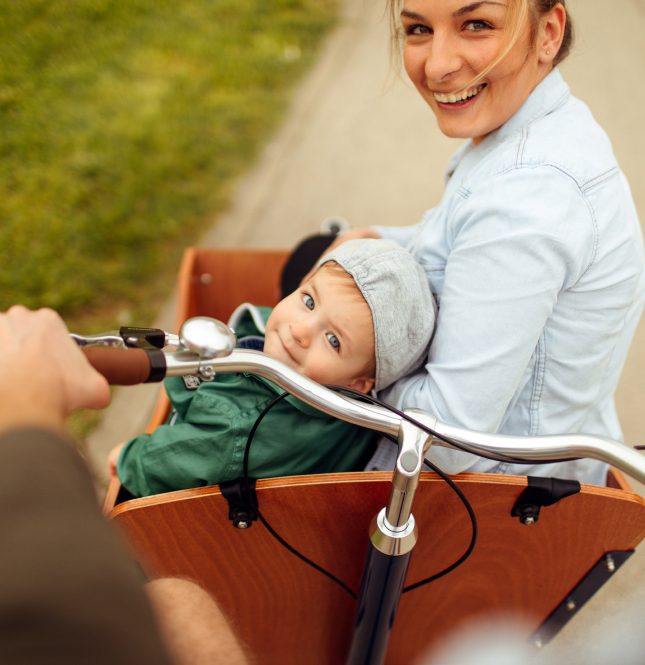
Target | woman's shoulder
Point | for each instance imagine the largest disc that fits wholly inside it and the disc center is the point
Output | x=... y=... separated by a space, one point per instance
x=566 y=143
x=571 y=140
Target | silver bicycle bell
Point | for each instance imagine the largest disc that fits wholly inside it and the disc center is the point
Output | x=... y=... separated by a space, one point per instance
x=207 y=337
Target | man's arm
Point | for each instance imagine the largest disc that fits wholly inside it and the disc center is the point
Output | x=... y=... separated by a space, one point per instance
x=68 y=592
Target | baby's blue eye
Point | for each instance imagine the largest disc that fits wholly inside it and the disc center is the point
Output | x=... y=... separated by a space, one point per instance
x=309 y=301
x=333 y=340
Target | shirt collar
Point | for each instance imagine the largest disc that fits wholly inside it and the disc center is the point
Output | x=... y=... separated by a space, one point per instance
x=545 y=98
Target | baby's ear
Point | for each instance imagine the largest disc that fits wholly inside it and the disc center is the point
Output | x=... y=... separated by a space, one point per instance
x=362 y=385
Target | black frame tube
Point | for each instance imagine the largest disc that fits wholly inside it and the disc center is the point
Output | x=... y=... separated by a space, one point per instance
x=378 y=599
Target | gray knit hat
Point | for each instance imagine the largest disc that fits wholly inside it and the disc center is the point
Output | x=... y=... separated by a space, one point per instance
x=396 y=288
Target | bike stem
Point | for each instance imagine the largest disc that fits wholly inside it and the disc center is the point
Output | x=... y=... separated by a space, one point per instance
x=393 y=535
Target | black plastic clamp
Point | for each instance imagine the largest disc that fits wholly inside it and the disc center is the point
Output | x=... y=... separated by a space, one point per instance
x=143 y=338
x=240 y=510
x=542 y=492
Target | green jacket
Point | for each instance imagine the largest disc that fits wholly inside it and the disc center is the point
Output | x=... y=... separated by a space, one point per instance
x=205 y=444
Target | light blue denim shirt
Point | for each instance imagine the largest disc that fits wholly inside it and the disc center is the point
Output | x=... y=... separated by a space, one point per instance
x=535 y=256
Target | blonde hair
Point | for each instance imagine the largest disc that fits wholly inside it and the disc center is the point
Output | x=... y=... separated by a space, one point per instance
x=519 y=11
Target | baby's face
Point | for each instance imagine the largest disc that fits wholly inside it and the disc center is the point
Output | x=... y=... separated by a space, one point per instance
x=325 y=332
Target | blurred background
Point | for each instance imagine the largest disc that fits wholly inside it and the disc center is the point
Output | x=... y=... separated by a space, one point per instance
x=122 y=126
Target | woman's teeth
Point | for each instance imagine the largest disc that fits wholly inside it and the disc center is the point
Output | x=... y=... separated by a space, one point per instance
x=460 y=97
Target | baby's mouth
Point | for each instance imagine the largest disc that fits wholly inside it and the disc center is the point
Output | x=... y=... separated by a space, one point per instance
x=286 y=350
x=461 y=97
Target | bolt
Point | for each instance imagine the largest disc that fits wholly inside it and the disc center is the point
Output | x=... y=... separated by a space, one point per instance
x=242 y=524
x=571 y=605
x=610 y=563
x=529 y=519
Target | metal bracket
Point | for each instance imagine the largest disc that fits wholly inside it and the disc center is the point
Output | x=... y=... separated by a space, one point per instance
x=579 y=595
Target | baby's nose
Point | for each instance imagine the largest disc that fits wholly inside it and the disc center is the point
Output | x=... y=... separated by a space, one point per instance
x=301 y=332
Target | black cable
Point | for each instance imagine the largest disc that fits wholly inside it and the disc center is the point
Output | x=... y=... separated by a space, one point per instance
x=473 y=539
x=254 y=503
x=438 y=471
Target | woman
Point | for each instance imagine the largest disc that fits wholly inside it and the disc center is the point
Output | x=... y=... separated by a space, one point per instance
x=535 y=252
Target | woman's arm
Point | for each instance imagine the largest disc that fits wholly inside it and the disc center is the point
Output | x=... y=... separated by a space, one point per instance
x=511 y=258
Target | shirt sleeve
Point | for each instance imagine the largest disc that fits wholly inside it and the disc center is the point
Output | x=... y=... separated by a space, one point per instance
x=511 y=256
x=401 y=234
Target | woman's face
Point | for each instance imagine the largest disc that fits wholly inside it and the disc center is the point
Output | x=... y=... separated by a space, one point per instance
x=447 y=43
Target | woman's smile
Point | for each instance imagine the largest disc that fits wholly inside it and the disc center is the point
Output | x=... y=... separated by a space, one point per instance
x=458 y=99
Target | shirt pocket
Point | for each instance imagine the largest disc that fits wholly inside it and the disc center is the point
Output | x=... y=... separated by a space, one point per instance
x=436 y=273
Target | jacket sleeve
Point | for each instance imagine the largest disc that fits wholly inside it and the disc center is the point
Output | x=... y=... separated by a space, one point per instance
x=68 y=593
x=511 y=257
x=194 y=453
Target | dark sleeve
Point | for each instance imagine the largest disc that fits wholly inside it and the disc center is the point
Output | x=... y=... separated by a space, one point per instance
x=68 y=593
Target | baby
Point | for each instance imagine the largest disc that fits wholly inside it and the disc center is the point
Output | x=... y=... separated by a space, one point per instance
x=362 y=321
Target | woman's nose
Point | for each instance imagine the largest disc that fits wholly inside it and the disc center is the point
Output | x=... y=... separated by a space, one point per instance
x=442 y=59
x=300 y=332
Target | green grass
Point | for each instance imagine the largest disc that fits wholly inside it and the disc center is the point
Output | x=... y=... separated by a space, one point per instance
x=123 y=124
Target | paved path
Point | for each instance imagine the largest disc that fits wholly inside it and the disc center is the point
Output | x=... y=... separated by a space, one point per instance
x=366 y=147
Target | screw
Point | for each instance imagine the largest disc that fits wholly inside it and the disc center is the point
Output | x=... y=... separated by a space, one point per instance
x=571 y=605
x=529 y=519
x=242 y=524
x=610 y=563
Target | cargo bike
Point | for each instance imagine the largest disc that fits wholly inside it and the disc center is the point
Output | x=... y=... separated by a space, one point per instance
x=542 y=548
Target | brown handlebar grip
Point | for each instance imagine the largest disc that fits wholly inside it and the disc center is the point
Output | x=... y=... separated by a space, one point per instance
x=121 y=367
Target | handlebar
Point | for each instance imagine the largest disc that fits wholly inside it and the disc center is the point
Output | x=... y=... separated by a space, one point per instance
x=129 y=366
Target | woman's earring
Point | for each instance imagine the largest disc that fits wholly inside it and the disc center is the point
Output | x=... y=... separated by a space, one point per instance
x=548 y=52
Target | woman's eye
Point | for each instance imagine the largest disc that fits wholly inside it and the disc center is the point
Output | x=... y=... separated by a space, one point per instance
x=308 y=301
x=477 y=26
x=418 y=30
x=333 y=340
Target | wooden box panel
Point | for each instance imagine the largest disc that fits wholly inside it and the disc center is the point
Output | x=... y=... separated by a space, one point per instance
x=289 y=613
x=213 y=282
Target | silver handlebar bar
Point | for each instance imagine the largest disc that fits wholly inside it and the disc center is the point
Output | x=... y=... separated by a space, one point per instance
x=535 y=449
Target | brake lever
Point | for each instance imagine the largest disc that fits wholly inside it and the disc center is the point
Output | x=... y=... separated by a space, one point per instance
x=111 y=338
x=129 y=337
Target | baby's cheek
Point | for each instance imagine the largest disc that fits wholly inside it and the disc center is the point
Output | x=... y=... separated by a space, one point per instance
x=325 y=373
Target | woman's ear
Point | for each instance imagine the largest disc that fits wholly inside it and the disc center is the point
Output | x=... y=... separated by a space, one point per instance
x=552 y=26
x=362 y=385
